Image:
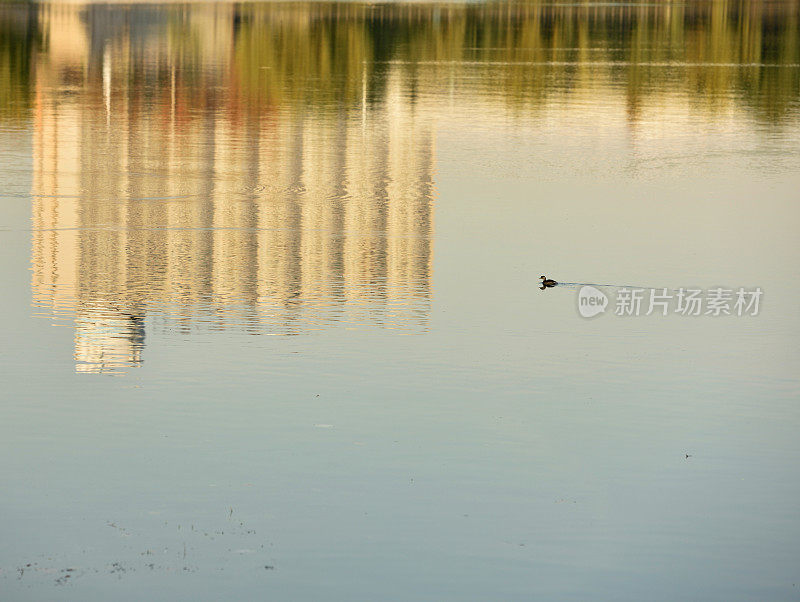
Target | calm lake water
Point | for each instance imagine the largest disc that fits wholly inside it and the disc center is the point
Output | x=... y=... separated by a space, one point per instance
x=270 y=309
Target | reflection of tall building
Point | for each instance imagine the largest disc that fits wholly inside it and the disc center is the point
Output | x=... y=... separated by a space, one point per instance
x=280 y=219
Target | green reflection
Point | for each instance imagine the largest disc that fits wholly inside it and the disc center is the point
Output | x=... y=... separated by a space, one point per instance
x=335 y=54
x=319 y=53
x=18 y=42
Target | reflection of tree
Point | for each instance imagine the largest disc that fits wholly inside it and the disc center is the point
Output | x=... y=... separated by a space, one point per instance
x=316 y=53
x=326 y=54
x=18 y=41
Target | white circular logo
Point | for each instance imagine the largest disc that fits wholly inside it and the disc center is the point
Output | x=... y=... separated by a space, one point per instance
x=591 y=301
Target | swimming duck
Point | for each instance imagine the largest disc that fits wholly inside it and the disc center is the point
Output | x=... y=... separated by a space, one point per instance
x=546 y=282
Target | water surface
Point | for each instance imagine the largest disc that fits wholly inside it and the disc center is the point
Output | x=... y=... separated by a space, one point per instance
x=270 y=313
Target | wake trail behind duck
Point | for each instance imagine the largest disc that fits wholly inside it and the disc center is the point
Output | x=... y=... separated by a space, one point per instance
x=595 y=284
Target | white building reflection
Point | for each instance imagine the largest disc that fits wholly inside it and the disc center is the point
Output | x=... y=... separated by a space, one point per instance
x=160 y=190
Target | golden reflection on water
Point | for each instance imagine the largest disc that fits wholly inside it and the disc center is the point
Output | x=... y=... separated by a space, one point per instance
x=181 y=199
x=270 y=167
